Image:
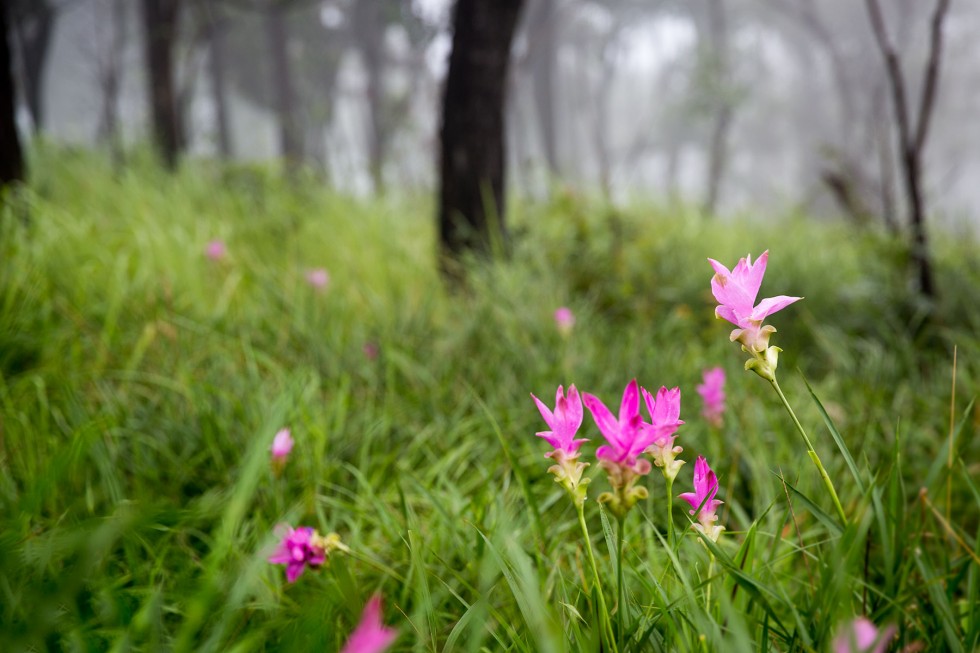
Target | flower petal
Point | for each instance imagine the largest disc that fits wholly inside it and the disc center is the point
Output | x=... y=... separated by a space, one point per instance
x=771 y=305
x=604 y=419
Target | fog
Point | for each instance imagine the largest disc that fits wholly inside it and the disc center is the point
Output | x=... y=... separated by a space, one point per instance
x=730 y=105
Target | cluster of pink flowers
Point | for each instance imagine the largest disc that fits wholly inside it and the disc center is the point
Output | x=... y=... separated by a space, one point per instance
x=628 y=438
x=712 y=392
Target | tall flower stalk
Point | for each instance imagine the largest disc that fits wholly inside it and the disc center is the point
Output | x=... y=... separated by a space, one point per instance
x=736 y=291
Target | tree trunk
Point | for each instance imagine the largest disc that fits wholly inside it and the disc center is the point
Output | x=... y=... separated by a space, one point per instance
x=290 y=145
x=33 y=23
x=724 y=107
x=471 y=209
x=160 y=23
x=542 y=36
x=369 y=36
x=110 y=78
x=11 y=156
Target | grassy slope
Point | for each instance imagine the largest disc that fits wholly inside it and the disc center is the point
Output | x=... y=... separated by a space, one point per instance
x=141 y=385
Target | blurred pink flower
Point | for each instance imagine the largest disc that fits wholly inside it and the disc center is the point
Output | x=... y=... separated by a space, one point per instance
x=705 y=489
x=370 y=350
x=318 y=278
x=626 y=436
x=297 y=550
x=216 y=250
x=564 y=422
x=736 y=292
x=861 y=636
x=564 y=320
x=712 y=393
x=282 y=444
x=371 y=635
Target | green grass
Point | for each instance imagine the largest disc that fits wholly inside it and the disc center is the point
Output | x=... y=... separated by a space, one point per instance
x=141 y=385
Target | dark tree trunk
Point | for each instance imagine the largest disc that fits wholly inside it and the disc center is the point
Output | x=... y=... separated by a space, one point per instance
x=471 y=208
x=33 y=23
x=160 y=23
x=718 y=54
x=11 y=156
x=110 y=79
x=290 y=145
x=542 y=28
x=216 y=65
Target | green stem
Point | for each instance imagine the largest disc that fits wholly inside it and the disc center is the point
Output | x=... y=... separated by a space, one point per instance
x=707 y=592
x=606 y=624
x=813 y=453
x=670 y=511
x=620 y=537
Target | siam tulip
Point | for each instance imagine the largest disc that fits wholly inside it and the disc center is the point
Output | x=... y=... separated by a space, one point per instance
x=861 y=636
x=564 y=423
x=216 y=250
x=318 y=278
x=703 y=497
x=627 y=439
x=371 y=635
x=370 y=350
x=665 y=411
x=564 y=320
x=712 y=393
x=736 y=292
x=282 y=444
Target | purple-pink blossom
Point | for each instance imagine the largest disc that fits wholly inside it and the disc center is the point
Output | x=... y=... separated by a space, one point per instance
x=861 y=636
x=318 y=278
x=282 y=444
x=665 y=412
x=298 y=549
x=705 y=489
x=736 y=292
x=215 y=250
x=371 y=635
x=564 y=421
x=625 y=434
x=564 y=320
x=712 y=393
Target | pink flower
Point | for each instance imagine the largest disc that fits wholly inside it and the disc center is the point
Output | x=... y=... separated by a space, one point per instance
x=665 y=412
x=626 y=436
x=215 y=250
x=736 y=291
x=371 y=635
x=318 y=278
x=564 y=320
x=705 y=489
x=564 y=422
x=861 y=636
x=370 y=350
x=298 y=549
x=282 y=444
x=712 y=393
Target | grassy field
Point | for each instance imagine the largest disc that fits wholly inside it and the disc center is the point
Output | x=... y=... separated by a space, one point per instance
x=141 y=384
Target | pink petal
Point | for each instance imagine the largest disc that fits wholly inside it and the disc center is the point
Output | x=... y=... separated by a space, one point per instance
x=371 y=635
x=546 y=413
x=573 y=407
x=604 y=419
x=630 y=405
x=753 y=274
x=772 y=305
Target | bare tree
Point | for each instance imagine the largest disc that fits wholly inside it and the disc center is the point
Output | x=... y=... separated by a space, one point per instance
x=214 y=26
x=471 y=207
x=912 y=134
x=11 y=155
x=33 y=23
x=109 y=67
x=160 y=20
x=290 y=145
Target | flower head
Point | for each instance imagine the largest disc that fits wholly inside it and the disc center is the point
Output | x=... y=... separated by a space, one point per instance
x=564 y=320
x=318 y=278
x=371 y=635
x=665 y=411
x=282 y=444
x=370 y=350
x=215 y=250
x=626 y=436
x=703 y=497
x=712 y=393
x=736 y=292
x=861 y=636
x=299 y=548
x=564 y=421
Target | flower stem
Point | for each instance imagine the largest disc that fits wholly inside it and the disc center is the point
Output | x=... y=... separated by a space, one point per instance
x=670 y=511
x=606 y=624
x=621 y=608
x=828 y=484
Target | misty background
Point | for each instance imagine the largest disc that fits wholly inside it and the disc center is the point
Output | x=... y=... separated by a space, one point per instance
x=731 y=105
